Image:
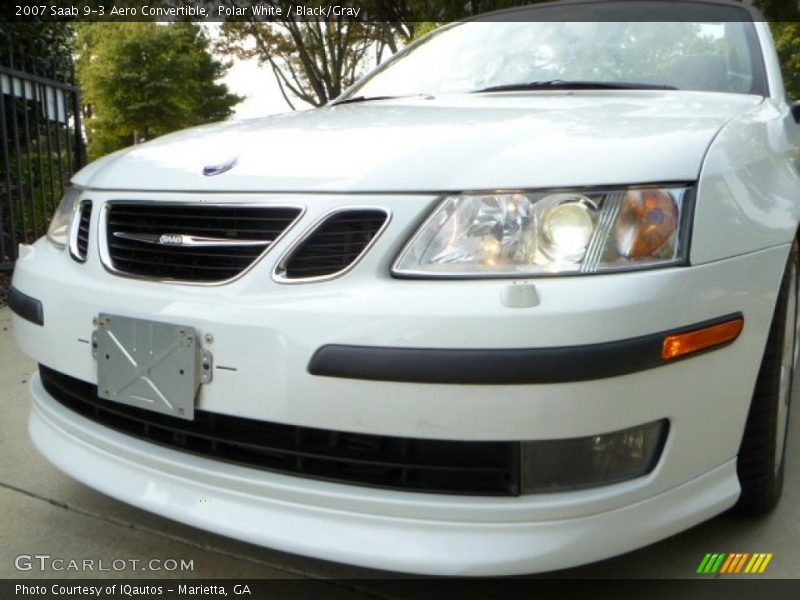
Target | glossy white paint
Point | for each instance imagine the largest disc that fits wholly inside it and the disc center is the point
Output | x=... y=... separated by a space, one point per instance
x=400 y=155
x=452 y=143
x=749 y=190
x=772 y=66
x=418 y=533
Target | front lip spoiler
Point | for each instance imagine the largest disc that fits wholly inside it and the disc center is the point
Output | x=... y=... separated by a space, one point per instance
x=501 y=366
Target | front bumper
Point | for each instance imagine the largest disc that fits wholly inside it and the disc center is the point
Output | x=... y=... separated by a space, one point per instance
x=387 y=530
x=265 y=334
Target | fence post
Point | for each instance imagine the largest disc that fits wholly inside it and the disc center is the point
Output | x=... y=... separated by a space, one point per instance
x=26 y=122
x=80 y=156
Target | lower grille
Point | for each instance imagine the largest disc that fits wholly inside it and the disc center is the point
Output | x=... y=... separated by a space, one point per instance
x=191 y=242
x=410 y=464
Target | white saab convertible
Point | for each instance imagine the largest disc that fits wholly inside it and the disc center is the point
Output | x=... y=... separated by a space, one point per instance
x=523 y=298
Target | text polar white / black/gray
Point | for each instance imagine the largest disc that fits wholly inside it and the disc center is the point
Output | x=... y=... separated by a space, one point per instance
x=299 y=10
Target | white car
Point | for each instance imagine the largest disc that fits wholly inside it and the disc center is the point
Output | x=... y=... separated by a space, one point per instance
x=523 y=298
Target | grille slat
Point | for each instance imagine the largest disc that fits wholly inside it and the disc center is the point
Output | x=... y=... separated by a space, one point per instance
x=81 y=249
x=232 y=228
x=315 y=253
x=339 y=234
x=432 y=466
x=139 y=262
x=211 y=213
x=311 y=271
x=184 y=263
x=334 y=245
x=199 y=252
x=241 y=233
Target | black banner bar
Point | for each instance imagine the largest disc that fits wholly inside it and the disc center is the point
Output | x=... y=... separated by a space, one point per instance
x=418 y=589
x=395 y=11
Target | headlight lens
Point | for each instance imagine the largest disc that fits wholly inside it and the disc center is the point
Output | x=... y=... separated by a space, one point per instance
x=58 y=233
x=519 y=234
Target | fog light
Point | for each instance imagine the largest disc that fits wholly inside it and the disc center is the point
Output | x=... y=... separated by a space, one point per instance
x=571 y=464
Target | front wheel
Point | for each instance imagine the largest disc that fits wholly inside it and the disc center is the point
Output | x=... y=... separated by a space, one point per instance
x=762 y=454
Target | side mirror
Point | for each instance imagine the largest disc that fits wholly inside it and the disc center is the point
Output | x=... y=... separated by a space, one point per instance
x=796 y=111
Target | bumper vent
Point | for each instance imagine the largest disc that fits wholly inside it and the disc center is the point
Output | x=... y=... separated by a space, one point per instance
x=411 y=464
x=191 y=242
x=334 y=245
x=79 y=249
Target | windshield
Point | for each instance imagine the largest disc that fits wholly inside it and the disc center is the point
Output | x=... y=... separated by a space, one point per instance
x=479 y=56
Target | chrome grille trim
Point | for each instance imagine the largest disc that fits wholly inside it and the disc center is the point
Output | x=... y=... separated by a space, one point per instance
x=278 y=273
x=190 y=241
x=80 y=231
x=107 y=261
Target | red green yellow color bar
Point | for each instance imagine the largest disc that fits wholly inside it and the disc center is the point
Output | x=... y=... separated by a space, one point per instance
x=735 y=562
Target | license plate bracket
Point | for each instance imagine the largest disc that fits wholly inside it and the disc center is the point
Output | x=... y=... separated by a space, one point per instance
x=149 y=364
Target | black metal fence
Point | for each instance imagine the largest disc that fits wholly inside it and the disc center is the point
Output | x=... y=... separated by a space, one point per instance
x=41 y=146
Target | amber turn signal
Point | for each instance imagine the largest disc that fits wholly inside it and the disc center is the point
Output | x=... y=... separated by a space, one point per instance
x=682 y=344
x=648 y=219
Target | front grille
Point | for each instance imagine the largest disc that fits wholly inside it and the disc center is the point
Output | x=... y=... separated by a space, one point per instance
x=411 y=464
x=81 y=249
x=191 y=242
x=334 y=245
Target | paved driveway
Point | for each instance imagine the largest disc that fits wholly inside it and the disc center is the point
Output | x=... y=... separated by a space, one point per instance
x=45 y=512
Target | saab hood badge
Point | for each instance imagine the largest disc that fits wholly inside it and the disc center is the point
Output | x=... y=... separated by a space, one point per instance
x=220 y=168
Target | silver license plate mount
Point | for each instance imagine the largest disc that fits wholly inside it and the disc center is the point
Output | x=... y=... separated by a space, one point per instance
x=149 y=364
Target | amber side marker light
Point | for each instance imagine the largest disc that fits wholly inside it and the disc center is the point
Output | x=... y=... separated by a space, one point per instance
x=676 y=346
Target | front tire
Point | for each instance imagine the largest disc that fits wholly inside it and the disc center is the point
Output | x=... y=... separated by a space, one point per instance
x=762 y=454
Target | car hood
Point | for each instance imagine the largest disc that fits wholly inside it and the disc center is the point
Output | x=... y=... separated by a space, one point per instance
x=455 y=143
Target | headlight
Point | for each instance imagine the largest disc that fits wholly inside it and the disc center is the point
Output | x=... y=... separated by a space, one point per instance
x=523 y=234
x=58 y=233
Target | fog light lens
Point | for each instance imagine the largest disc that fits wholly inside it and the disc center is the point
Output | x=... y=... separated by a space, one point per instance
x=562 y=465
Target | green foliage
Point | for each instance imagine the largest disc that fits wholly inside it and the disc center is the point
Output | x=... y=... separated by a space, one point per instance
x=787 y=41
x=424 y=28
x=35 y=190
x=30 y=179
x=784 y=16
x=779 y=10
x=141 y=80
x=42 y=47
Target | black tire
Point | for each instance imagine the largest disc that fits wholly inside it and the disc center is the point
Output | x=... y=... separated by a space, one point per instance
x=760 y=465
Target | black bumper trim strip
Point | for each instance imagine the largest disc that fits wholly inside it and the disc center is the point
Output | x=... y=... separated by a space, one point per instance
x=25 y=306
x=499 y=366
